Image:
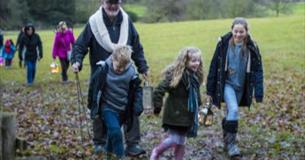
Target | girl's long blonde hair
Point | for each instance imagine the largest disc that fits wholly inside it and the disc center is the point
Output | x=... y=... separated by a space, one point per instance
x=175 y=70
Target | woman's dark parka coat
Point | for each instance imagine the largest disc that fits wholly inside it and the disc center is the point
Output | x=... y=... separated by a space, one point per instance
x=217 y=74
x=31 y=45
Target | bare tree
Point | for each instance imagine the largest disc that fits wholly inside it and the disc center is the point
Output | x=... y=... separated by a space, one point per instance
x=280 y=6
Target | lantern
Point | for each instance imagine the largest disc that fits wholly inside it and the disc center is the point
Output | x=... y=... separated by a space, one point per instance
x=206 y=116
x=54 y=68
x=147 y=96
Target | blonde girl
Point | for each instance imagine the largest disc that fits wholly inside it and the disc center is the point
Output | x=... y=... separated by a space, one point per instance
x=181 y=81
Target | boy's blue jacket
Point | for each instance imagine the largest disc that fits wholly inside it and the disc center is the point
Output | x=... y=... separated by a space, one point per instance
x=97 y=86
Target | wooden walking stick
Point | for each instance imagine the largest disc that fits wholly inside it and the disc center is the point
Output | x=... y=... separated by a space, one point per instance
x=81 y=108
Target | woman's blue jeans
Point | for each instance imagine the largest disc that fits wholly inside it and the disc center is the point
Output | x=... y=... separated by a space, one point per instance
x=113 y=123
x=31 y=71
x=232 y=99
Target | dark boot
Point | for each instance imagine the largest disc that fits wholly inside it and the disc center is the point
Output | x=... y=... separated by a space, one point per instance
x=230 y=128
x=133 y=138
x=224 y=133
x=99 y=136
x=134 y=150
x=179 y=152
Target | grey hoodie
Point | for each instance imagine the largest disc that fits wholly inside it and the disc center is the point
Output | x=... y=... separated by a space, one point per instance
x=117 y=86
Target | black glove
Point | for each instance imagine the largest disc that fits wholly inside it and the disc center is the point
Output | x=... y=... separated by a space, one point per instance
x=157 y=110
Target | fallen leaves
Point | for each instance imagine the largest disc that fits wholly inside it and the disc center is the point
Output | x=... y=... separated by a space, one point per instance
x=48 y=118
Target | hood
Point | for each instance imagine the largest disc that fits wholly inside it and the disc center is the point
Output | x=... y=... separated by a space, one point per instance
x=27 y=27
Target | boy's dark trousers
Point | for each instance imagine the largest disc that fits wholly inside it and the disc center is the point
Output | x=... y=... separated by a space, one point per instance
x=132 y=137
x=8 y=62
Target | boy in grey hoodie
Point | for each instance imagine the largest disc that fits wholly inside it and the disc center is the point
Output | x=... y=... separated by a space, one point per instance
x=114 y=95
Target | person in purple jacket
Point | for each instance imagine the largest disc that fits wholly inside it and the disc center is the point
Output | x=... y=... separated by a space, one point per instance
x=64 y=39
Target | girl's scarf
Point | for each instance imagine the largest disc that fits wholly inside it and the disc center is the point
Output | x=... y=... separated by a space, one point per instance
x=192 y=84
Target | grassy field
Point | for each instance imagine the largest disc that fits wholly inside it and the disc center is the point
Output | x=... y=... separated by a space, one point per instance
x=272 y=130
x=137 y=9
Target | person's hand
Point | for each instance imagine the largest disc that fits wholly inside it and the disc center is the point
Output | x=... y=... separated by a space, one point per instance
x=75 y=67
x=145 y=75
x=209 y=99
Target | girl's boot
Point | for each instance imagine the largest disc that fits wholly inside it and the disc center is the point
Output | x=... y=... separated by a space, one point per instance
x=157 y=151
x=179 y=152
x=230 y=139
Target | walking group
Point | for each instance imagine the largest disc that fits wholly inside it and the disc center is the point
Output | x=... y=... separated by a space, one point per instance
x=115 y=95
x=30 y=50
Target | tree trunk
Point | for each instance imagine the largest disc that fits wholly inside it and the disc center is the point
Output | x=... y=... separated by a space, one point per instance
x=8 y=136
x=277 y=12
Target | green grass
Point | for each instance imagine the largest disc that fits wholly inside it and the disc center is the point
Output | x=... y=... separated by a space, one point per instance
x=137 y=9
x=281 y=41
x=299 y=9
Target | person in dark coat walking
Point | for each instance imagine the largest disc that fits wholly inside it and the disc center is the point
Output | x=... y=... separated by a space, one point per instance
x=31 y=48
x=235 y=73
x=182 y=80
x=1 y=47
x=108 y=27
x=20 y=56
x=1 y=39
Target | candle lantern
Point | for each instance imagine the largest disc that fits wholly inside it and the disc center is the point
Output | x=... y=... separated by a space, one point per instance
x=54 y=68
x=147 y=96
x=206 y=115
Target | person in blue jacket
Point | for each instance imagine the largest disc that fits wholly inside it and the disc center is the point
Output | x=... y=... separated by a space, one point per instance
x=8 y=52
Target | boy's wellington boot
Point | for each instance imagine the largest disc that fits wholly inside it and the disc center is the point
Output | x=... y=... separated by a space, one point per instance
x=134 y=150
x=230 y=139
x=179 y=152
